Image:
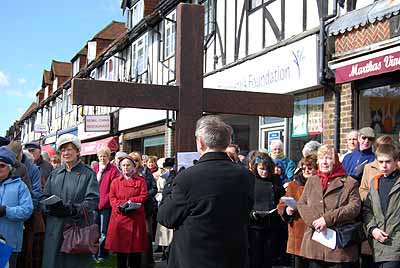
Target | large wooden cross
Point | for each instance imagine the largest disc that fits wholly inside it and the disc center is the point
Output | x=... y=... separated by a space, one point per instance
x=188 y=98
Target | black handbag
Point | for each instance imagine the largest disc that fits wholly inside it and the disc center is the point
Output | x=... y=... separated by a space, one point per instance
x=350 y=233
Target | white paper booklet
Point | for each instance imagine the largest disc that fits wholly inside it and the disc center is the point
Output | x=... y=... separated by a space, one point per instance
x=326 y=238
x=289 y=201
x=52 y=200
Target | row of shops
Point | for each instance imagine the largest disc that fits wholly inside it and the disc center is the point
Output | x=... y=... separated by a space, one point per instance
x=347 y=78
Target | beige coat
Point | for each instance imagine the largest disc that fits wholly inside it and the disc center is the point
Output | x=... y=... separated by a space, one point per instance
x=314 y=203
x=370 y=171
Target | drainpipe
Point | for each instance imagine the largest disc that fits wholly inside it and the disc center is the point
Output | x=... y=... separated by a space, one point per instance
x=322 y=78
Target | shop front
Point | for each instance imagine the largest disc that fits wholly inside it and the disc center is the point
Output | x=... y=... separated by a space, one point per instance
x=367 y=60
x=145 y=131
x=289 y=69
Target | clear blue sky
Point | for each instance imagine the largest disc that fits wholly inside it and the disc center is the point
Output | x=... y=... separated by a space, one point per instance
x=32 y=34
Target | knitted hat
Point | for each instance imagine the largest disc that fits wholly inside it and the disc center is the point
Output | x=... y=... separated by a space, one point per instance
x=31 y=145
x=120 y=155
x=68 y=138
x=7 y=156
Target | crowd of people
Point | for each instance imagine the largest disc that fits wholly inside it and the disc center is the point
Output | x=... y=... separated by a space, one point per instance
x=231 y=209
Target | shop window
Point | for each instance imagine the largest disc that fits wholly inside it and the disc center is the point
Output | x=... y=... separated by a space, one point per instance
x=307 y=122
x=379 y=108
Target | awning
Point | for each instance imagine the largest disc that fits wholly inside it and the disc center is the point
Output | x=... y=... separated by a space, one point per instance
x=360 y=17
x=49 y=149
x=89 y=148
x=72 y=130
x=383 y=61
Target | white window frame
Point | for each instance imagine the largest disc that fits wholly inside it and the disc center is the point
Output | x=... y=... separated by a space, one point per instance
x=91 y=54
x=76 y=65
x=139 y=52
x=55 y=84
x=59 y=104
x=135 y=14
x=169 y=35
x=209 y=17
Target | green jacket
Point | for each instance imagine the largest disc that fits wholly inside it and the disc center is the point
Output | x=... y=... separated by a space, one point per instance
x=76 y=186
x=373 y=217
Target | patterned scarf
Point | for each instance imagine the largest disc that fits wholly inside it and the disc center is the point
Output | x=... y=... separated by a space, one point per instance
x=337 y=171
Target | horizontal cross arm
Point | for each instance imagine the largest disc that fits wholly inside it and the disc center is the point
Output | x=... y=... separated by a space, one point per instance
x=124 y=94
x=247 y=103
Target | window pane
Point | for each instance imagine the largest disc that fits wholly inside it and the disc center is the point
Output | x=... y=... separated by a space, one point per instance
x=255 y=3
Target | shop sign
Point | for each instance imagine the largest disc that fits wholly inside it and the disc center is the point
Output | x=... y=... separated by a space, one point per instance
x=97 y=123
x=283 y=70
x=273 y=135
x=83 y=135
x=369 y=65
x=39 y=128
x=300 y=118
x=133 y=117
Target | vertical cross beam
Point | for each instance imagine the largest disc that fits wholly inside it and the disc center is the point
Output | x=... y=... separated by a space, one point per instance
x=189 y=73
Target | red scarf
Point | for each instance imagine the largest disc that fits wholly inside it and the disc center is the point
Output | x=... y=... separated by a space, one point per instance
x=338 y=171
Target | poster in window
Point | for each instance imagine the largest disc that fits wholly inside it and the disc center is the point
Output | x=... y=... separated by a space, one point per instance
x=315 y=114
x=385 y=114
x=300 y=117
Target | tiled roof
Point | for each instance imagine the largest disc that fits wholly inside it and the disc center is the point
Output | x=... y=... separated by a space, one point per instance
x=28 y=111
x=82 y=52
x=111 y=31
x=40 y=91
x=46 y=79
x=61 y=68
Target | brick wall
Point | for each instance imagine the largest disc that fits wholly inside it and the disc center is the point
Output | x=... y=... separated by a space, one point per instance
x=149 y=6
x=346 y=115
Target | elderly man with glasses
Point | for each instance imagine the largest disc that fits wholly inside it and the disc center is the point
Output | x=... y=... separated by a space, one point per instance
x=355 y=162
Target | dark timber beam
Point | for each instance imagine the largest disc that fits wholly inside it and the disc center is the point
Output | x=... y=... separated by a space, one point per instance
x=189 y=73
x=123 y=94
x=247 y=103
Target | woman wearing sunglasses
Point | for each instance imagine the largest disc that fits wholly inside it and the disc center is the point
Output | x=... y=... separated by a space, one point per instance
x=15 y=204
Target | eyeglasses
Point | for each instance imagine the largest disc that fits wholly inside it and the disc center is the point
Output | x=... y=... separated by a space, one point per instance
x=3 y=165
x=365 y=137
x=31 y=150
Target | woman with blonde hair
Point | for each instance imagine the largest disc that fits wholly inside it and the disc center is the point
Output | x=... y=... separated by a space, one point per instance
x=105 y=174
x=330 y=199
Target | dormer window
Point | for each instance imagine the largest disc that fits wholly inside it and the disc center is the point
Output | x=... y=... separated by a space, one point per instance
x=91 y=55
x=55 y=84
x=75 y=67
x=46 y=92
x=135 y=14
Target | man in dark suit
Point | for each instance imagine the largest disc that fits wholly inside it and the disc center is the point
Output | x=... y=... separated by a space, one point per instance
x=209 y=205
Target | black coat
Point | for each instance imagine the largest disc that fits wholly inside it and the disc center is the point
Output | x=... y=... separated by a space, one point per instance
x=208 y=208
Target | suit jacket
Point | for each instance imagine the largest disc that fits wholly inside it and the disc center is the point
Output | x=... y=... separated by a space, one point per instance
x=209 y=207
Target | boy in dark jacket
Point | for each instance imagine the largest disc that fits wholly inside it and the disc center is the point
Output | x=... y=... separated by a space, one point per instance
x=381 y=211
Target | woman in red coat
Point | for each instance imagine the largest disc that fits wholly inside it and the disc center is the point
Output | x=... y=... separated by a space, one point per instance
x=127 y=229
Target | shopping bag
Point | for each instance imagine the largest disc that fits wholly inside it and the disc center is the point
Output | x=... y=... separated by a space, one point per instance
x=5 y=254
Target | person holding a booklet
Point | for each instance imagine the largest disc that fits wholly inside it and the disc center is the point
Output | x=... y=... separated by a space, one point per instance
x=127 y=235
x=329 y=200
x=264 y=227
x=287 y=208
x=71 y=192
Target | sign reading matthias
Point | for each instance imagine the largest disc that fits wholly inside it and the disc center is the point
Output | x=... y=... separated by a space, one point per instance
x=97 y=123
x=372 y=64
